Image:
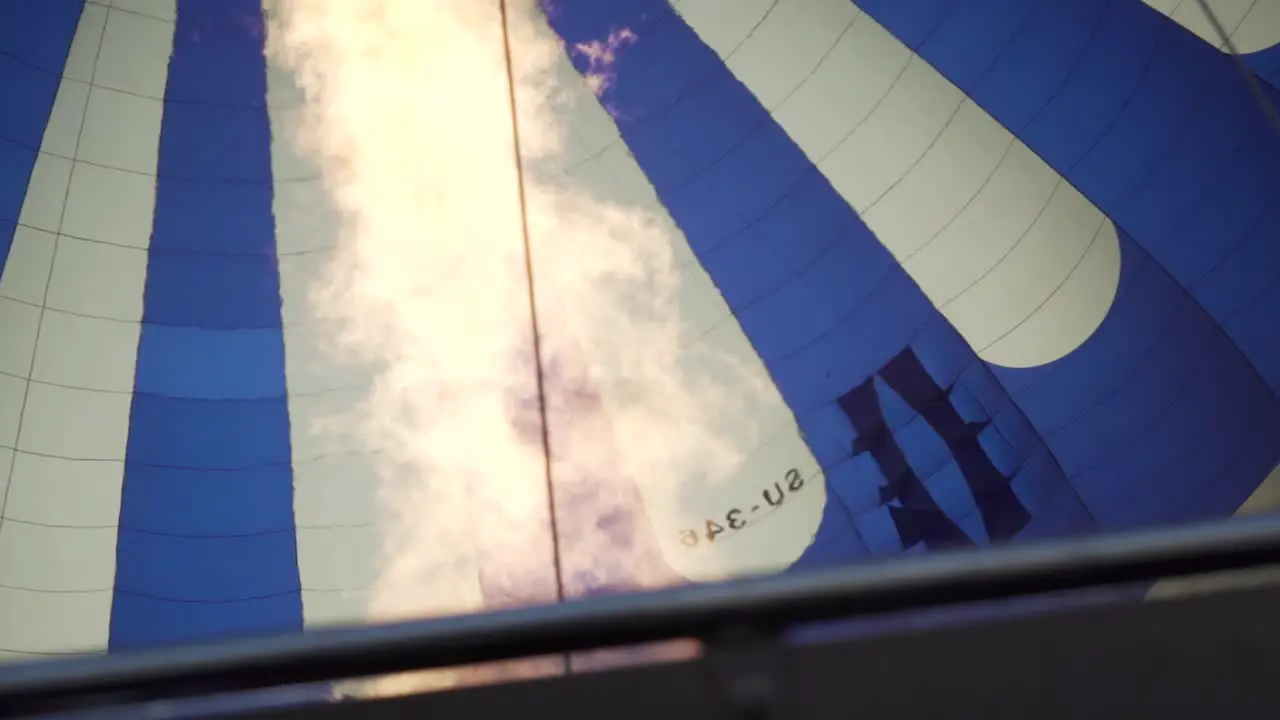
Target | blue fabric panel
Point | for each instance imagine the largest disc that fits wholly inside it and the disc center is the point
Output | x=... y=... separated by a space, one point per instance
x=29 y=94
x=208 y=364
x=7 y=229
x=39 y=34
x=228 y=138
x=209 y=434
x=204 y=503
x=219 y=58
x=148 y=621
x=225 y=291
x=214 y=216
x=207 y=544
x=16 y=163
x=224 y=576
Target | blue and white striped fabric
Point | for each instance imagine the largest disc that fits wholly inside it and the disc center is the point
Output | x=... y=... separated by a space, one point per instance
x=151 y=497
x=1009 y=265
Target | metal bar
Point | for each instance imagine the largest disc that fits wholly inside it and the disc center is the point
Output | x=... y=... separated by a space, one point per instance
x=902 y=584
x=1119 y=661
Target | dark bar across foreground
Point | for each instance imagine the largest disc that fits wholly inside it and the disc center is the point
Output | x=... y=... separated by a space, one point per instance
x=759 y=606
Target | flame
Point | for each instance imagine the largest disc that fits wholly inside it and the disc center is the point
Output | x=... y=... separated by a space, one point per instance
x=408 y=116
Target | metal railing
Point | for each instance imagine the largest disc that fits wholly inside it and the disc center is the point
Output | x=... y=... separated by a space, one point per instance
x=764 y=605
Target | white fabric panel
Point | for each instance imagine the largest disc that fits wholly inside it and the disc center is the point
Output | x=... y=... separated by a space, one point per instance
x=1020 y=262
x=340 y=541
